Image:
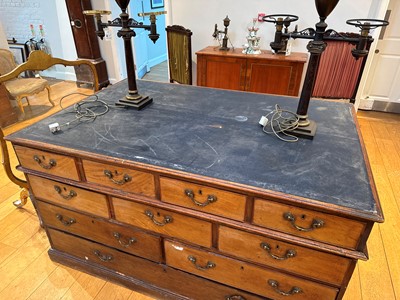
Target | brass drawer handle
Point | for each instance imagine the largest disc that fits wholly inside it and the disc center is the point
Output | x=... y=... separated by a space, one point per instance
x=275 y=284
x=69 y=196
x=103 y=257
x=316 y=223
x=289 y=253
x=66 y=222
x=235 y=297
x=167 y=219
x=52 y=162
x=126 y=178
x=209 y=264
x=121 y=242
x=210 y=198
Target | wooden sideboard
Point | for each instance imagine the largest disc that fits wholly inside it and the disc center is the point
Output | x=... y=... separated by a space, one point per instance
x=189 y=199
x=263 y=73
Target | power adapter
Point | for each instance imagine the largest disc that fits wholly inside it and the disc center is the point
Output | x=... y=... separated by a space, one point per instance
x=54 y=127
x=263 y=121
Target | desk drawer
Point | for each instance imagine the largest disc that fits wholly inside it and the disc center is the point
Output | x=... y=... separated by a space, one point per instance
x=69 y=196
x=163 y=221
x=308 y=223
x=128 y=180
x=47 y=162
x=203 y=198
x=162 y=277
x=284 y=256
x=265 y=282
x=113 y=235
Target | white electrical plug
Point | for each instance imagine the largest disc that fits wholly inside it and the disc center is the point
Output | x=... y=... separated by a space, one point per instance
x=54 y=127
x=263 y=121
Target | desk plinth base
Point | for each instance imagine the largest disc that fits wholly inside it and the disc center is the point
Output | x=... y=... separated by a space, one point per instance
x=134 y=100
x=305 y=132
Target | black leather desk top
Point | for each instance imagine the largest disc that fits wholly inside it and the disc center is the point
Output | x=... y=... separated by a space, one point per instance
x=215 y=133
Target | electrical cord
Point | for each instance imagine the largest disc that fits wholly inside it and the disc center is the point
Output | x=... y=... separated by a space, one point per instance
x=85 y=111
x=280 y=122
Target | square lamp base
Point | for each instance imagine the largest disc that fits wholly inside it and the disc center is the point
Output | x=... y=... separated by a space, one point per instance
x=306 y=132
x=138 y=103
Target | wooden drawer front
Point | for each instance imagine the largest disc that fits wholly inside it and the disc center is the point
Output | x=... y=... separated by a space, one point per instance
x=203 y=198
x=47 y=162
x=242 y=275
x=163 y=221
x=100 y=255
x=161 y=276
x=333 y=230
x=113 y=235
x=69 y=196
x=310 y=263
x=120 y=178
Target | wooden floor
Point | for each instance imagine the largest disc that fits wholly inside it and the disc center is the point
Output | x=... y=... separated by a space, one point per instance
x=158 y=73
x=26 y=272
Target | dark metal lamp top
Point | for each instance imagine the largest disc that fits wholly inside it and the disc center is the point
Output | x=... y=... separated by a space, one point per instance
x=123 y=4
x=325 y=7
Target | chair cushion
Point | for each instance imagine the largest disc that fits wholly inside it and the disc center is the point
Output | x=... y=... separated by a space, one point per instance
x=25 y=86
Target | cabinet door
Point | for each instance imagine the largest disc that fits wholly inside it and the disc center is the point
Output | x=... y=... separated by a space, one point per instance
x=273 y=77
x=221 y=72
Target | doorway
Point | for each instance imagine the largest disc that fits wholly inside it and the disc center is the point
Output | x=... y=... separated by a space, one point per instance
x=382 y=89
x=148 y=54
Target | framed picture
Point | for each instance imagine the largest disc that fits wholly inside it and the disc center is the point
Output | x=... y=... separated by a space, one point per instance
x=19 y=52
x=157 y=3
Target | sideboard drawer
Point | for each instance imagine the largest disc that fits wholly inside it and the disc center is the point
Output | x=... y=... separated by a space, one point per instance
x=307 y=223
x=285 y=256
x=69 y=196
x=163 y=221
x=125 y=179
x=203 y=198
x=265 y=282
x=113 y=235
x=47 y=162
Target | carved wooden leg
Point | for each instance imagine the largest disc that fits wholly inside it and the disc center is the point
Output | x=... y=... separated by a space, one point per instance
x=19 y=102
x=48 y=94
x=23 y=198
x=7 y=167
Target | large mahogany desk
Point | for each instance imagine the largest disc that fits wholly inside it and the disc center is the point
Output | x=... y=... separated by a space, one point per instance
x=263 y=73
x=189 y=199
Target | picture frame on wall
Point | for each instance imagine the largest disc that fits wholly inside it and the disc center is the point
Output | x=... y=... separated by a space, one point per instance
x=19 y=51
x=157 y=3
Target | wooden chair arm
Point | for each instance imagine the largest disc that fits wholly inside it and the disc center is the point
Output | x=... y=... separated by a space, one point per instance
x=39 y=61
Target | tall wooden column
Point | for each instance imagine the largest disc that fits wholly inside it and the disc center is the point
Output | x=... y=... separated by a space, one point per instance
x=86 y=42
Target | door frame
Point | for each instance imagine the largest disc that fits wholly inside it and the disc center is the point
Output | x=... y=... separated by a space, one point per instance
x=362 y=101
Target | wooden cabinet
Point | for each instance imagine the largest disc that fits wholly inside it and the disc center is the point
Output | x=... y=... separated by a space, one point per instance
x=263 y=73
x=199 y=205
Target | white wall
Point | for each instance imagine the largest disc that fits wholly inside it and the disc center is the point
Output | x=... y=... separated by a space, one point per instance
x=58 y=35
x=3 y=38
